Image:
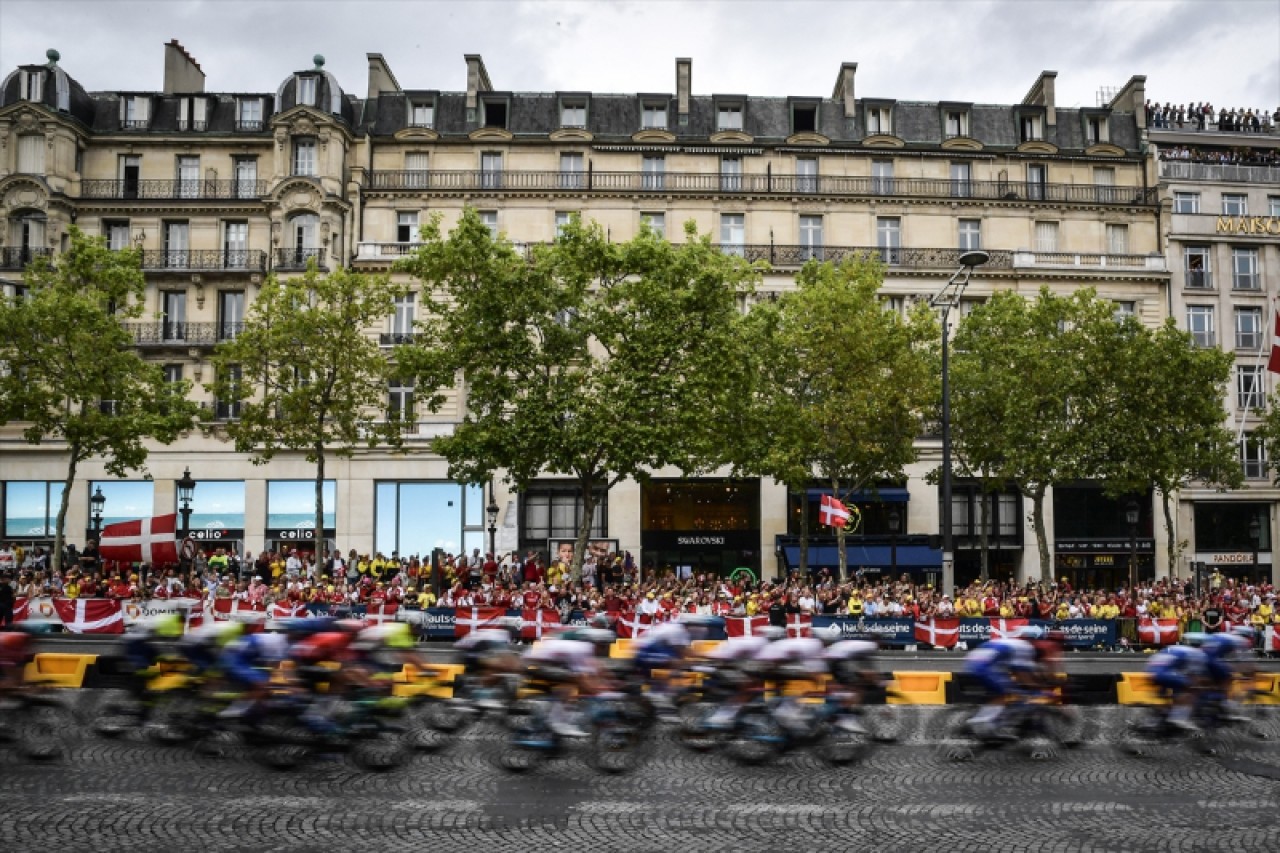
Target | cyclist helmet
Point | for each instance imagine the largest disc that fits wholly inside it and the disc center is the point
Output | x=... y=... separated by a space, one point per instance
x=1244 y=631
x=698 y=625
x=391 y=635
x=1030 y=632
x=596 y=636
x=603 y=621
x=513 y=625
x=772 y=632
x=829 y=634
x=163 y=625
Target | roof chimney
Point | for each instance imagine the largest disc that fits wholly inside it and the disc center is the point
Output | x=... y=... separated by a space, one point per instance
x=380 y=77
x=844 y=87
x=1133 y=99
x=1042 y=94
x=477 y=80
x=181 y=71
x=684 y=86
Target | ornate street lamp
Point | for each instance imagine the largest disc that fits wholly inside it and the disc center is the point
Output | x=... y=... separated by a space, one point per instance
x=98 y=501
x=949 y=297
x=186 y=492
x=492 y=511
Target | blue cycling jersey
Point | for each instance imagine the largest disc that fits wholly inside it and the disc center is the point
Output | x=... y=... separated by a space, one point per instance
x=1181 y=660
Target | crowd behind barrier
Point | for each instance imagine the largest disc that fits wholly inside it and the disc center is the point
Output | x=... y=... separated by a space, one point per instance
x=1202 y=116
x=898 y=612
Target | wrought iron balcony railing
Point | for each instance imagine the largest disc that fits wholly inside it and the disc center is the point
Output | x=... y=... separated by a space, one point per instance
x=717 y=182
x=17 y=257
x=783 y=255
x=165 y=333
x=135 y=123
x=250 y=125
x=297 y=259
x=391 y=339
x=176 y=189
x=191 y=124
x=1178 y=170
x=1086 y=261
x=248 y=260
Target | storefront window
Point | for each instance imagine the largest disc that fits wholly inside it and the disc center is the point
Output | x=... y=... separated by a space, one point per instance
x=550 y=511
x=31 y=508
x=711 y=506
x=1224 y=527
x=1083 y=512
x=127 y=500
x=217 y=504
x=292 y=503
x=416 y=518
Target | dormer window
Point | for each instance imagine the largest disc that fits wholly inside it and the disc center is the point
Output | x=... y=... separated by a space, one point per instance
x=653 y=116
x=193 y=114
x=1096 y=130
x=879 y=120
x=306 y=93
x=956 y=123
x=729 y=117
x=804 y=118
x=1030 y=128
x=422 y=114
x=249 y=114
x=573 y=113
x=495 y=114
x=135 y=112
x=32 y=86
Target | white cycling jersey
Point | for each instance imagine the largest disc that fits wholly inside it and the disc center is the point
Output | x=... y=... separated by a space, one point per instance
x=575 y=655
x=803 y=650
x=483 y=637
x=737 y=649
x=666 y=634
x=850 y=650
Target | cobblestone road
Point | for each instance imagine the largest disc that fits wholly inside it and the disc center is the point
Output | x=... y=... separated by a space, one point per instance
x=136 y=796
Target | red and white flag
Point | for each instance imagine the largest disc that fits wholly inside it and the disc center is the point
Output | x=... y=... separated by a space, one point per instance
x=90 y=615
x=744 y=626
x=632 y=625
x=468 y=619
x=535 y=622
x=832 y=512
x=799 y=625
x=1001 y=628
x=944 y=633
x=1157 y=632
x=374 y=614
x=1271 y=642
x=287 y=610
x=21 y=607
x=1273 y=363
x=144 y=540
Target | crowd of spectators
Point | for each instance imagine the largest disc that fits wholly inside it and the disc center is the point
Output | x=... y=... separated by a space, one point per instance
x=613 y=584
x=1229 y=156
x=1202 y=116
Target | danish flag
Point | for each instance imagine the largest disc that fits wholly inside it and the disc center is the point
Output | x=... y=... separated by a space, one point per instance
x=799 y=624
x=1273 y=639
x=1157 y=632
x=287 y=610
x=533 y=623
x=1273 y=363
x=468 y=619
x=635 y=624
x=144 y=540
x=943 y=633
x=744 y=626
x=832 y=513
x=90 y=615
x=21 y=609
x=374 y=614
x=1001 y=628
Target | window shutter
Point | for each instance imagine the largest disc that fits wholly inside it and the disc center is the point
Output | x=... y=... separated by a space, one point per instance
x=31 y=155
x=199 y=107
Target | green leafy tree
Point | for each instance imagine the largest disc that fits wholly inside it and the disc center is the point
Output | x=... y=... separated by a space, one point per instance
x=307 y=374
x=1030 y=391
x=597 y=360
x=843 y=384
x=71 y=373
x=1166 y=427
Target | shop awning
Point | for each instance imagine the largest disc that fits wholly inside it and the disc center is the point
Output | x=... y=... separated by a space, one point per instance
x=889 y=494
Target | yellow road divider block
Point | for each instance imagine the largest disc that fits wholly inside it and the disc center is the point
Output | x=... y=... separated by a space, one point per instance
x=1268 y=683
x=919 y=688
x=622 y=649
x=1137 y=688
x=435 y=680
x=57 y=669
x=702 y=648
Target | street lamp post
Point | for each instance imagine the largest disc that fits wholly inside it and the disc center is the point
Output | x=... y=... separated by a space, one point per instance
x=492 y=511
x=1131 y=516
x=1255 y=536
x=895 y=524
x=186 y=491
x=949 y=297
x=99 y=500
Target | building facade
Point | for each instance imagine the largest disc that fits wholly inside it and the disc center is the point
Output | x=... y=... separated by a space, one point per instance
x=221 y=189
x=1220 y=218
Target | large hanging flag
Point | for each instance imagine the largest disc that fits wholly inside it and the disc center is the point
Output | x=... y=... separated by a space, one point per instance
x=1273 y=363
x=144 y=540
x=833 y=513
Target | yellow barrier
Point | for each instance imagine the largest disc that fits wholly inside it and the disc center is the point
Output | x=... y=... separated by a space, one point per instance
x=702 y=648
x=56 y=669
x=622 y=649
x=1136 y=688
x=436 y=680
x=1269 y=685
x=919 y=688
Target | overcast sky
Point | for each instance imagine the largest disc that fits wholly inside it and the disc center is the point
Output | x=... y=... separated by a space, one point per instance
x=987 y=51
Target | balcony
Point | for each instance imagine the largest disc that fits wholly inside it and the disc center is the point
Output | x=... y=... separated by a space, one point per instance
x=17 y=257
x=173 y=190
x=200 y=260
x=720 y=183
x=1089 y=262
x=383 y=251
x=135 y=123
x=174 y=334
x=392 y=339
x=297 y=259
x=191 y=124
x=250 y=125
x=1199 y=280
x=1178 y=170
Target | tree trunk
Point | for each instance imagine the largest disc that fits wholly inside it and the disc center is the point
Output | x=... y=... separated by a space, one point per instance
x=318 y=531
x=1172 y=544
x=59 y=528
x=584 y=531
x=1037 y=521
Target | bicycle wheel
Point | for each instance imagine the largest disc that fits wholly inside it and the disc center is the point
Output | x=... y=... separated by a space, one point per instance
x=279 y=741
x=174 y=718
x=848 y=740
x=757 y=737
x=117 y=718
x=695 y=732
x=382 y=748
x=1138 y=730
x=949 y=734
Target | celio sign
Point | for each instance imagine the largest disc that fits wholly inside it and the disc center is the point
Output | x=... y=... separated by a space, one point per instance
x=1249 y=225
